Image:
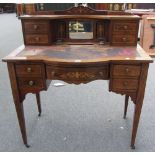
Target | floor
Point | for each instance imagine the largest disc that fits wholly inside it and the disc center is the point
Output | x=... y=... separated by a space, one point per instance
x=75 y=117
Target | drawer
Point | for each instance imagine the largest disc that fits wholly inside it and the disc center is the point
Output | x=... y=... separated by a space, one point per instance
x=77 y=74
x=36 y=27
x=29 y=70
x=124 y=84
x=124 y=26
x=125 y=70
x=37 y=39
x=31 y=84
x=124 y=39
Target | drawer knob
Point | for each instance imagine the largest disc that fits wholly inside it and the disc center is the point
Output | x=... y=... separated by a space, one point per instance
x=101 y=73
x=53 y=73
x=31 y=83
x=29 y=70
x=35 y=27
x=37 y=38
x=125 y=84
x=124 y=39
x=125 y=27
x=126 y=70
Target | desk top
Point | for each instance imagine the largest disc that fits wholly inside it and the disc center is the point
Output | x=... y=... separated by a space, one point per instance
x=78 y=53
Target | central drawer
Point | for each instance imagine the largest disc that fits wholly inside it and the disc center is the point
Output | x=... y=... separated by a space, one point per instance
x=77 y=74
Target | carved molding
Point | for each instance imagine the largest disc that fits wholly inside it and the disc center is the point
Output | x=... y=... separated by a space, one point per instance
x=81 y=10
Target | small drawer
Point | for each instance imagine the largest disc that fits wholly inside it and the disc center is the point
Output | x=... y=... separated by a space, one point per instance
x=124 y=26
x=36 y=39
x=124 y=84
x=31 y=84
x=125 y=39
x=125 y=70
x=36 y=27
x=29 y=70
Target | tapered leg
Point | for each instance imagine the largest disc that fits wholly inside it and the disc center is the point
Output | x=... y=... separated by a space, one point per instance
x=139 y=103
x=21 y=120
x=135 y=124
x=38 y=103
x=126 y=105
x=17 y=101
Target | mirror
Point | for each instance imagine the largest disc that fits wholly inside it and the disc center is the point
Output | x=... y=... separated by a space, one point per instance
x=81 y=29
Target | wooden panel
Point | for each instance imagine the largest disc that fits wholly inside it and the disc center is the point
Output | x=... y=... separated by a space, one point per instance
x=124 y=84
x=125 y=70
x=29 y=9
x=147 y=35
x=36 y=27
x=29 y=70
x=36 y=39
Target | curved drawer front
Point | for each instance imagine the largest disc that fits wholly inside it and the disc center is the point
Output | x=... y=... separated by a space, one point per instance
x=77 y=75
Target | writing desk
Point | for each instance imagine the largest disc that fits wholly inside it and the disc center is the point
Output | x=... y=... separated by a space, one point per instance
x=31 y=69
x=79 y=45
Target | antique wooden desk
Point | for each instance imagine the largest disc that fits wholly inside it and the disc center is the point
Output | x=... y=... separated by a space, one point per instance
x=109 y=53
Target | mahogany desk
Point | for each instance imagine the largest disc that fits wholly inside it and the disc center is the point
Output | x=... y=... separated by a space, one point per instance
x=31 y=69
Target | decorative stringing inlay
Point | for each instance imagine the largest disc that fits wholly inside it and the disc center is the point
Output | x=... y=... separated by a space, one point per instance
x=77 y=75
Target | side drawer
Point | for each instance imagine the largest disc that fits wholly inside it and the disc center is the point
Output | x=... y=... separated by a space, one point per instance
x=124 y=39
x=36 y=70
x=31 y=84
x=36 y=39
x=125 y=70
x=124 y=26
x=40 y=27
x=124 y=84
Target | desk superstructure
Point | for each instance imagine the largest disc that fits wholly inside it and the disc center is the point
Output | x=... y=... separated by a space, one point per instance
x=50 y=54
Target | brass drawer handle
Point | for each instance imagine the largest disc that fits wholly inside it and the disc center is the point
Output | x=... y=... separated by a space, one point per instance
x=31 y=83
x=125 y=27
x=37 y=38
x=29 y=69
x=125 y=84
x=35 y=27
